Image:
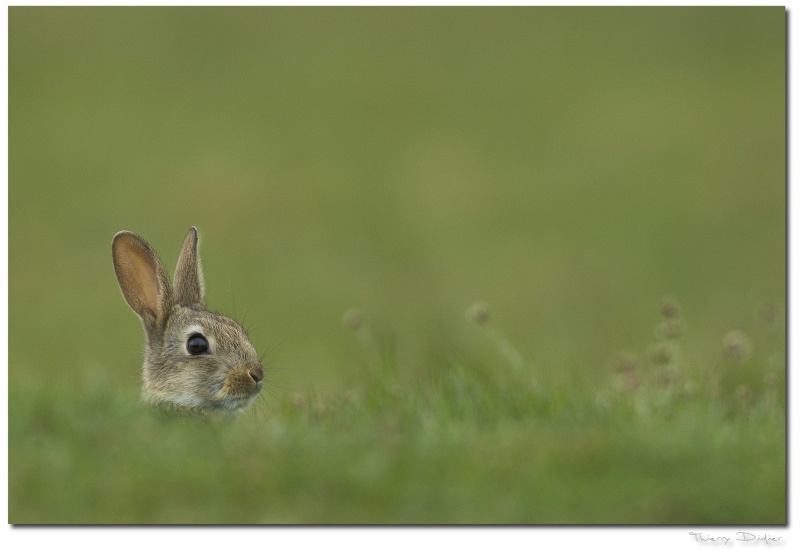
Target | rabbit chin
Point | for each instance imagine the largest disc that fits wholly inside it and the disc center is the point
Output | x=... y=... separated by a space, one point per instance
x=194 y=404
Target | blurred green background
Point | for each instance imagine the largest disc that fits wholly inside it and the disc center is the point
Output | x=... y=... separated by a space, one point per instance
x=568 y=166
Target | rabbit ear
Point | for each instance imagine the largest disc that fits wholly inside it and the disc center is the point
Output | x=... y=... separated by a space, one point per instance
x=142 y=278
x=189 y=288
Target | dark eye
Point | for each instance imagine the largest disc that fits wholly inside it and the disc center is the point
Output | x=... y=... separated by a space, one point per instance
x=197 y=344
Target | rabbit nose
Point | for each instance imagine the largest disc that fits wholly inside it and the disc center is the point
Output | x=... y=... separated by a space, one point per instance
x=256 y=372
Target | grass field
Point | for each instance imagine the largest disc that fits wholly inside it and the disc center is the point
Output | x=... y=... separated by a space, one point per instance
x=519 y=265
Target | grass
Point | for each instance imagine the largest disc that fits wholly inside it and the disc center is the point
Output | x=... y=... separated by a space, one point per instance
x=464 y=443
x=360 y=179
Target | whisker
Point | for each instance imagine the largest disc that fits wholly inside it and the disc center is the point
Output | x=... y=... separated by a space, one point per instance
x=247 y=311
x=233 y=298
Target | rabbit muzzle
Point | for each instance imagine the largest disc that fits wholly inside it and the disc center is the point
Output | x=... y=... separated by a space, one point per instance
x=243 y=382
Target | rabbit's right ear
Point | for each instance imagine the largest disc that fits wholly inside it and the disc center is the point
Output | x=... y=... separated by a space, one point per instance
x=142 y=278
x=189 y=287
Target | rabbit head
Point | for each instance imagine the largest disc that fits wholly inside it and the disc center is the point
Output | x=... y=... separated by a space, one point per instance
x=195 y=361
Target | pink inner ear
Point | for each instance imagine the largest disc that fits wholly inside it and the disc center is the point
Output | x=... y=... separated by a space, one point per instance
x=144 y=275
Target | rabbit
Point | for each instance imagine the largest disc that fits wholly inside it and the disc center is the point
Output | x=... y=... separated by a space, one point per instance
x=195 y=361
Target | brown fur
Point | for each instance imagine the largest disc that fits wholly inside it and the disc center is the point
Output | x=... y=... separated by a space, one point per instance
x=224 y=380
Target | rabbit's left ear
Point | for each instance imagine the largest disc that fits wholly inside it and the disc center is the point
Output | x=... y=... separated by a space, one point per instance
x=188 y=287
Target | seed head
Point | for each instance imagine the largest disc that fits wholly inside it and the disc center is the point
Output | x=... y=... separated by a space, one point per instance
x=631 y=381
x=351 y=397
x=478 y=313
x=627 y=362
x=627 y=365
x=667 y=377
x=670 y=329
x=299 y=402
x=670 y=308
x=661 y=354
x=768 y=314
x=353 y=319
x=736 y=346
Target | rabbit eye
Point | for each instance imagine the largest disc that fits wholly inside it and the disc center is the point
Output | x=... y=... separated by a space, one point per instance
x=197 y=344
